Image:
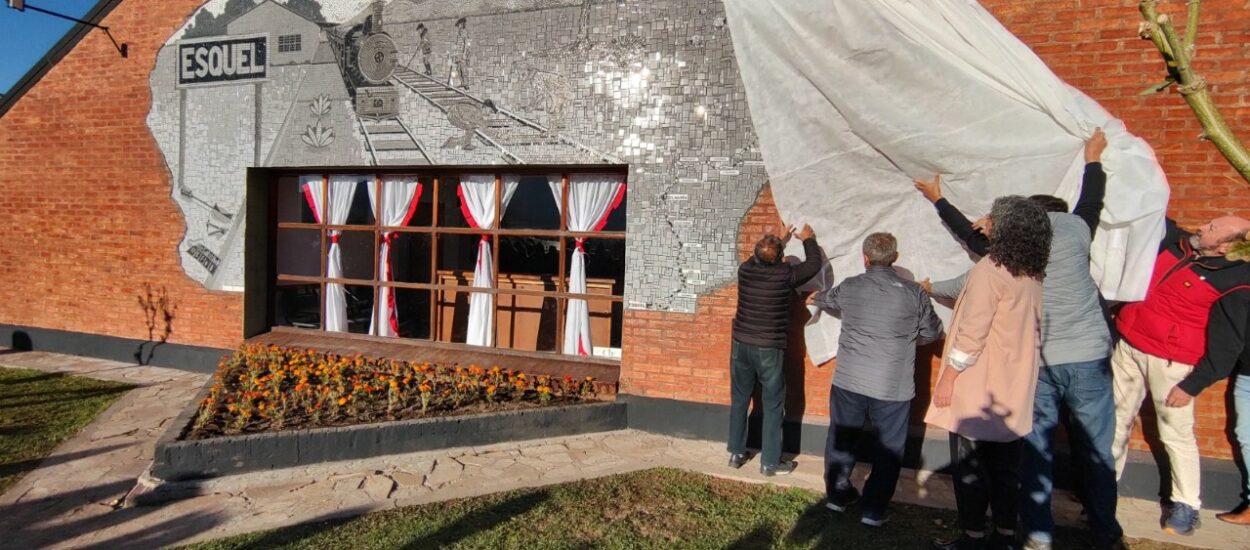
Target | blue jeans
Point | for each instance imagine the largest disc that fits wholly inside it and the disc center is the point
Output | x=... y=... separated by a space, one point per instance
x=1241 y=403
x=1085 y=389
x=848 y=412
x=748 y=365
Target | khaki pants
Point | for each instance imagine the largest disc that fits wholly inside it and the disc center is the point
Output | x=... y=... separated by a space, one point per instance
x=1133 y=373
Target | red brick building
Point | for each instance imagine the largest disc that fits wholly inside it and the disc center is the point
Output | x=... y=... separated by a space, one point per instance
x=90 y=217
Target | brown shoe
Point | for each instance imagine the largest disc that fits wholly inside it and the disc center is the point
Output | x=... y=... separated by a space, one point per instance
x=1240 y=516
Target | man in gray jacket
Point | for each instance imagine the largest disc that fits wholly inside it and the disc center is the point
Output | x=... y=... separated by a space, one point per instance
x=884 y=317
x=1076 y=347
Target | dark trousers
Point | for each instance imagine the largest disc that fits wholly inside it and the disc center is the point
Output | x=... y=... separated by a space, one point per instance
x=748 y=365
x=847 y=412
x=985 y=477
x=1085 y=390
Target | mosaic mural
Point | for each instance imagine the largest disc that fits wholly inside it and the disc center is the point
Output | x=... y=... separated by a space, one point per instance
x=648 y=83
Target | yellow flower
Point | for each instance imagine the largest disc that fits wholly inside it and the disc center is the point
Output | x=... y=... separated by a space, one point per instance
x=342 y=401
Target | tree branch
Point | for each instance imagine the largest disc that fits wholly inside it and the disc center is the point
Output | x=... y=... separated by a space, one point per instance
x=1177 y=54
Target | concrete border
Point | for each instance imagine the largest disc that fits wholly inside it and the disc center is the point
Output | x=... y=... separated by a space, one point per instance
x=179 y=460
x=126 y=350
x=1143 y=477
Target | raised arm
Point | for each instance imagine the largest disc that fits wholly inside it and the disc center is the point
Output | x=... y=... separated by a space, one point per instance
x=812 y=262
x=953 y=218
x=1094 y=184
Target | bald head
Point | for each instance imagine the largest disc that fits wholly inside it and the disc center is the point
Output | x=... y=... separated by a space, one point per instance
x=1216 y=237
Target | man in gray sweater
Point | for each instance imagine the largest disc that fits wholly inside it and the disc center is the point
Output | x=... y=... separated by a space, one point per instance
x=884 y=317
x=1076 y=348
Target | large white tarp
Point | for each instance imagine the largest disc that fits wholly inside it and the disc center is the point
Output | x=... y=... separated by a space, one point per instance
x=853 y=99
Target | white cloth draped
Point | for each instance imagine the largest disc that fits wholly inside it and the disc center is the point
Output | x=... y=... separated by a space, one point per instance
x=400 y=195
x=342 y=191
x=477 y=203
x=879 y=93
x=592 y=197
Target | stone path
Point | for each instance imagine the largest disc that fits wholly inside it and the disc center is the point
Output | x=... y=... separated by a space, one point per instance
x=70 y=501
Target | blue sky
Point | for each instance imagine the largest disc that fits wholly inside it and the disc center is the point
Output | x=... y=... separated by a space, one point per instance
x=26 y=36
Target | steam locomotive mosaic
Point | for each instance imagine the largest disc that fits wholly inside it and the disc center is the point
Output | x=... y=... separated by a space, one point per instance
x=367 y=55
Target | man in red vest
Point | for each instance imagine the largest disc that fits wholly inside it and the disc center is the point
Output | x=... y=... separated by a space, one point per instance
x=1165 y=335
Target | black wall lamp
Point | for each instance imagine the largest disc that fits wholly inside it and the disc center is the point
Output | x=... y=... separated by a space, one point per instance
x=22 y=5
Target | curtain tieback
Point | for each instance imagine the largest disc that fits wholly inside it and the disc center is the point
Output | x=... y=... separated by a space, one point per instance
x=389 y=237
x=486 y=239
x=580 y=243
x=334 y=237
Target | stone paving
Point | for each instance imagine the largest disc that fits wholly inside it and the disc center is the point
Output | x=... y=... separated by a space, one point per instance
x=73 y=499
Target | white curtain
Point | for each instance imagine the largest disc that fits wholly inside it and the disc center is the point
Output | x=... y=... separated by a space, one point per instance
x=342 y=191
x=592 y=197
x=477 y=203
x=400 y=195
x=881 y=92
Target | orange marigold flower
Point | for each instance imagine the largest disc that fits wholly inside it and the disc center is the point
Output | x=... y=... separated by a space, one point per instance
x=342 y=401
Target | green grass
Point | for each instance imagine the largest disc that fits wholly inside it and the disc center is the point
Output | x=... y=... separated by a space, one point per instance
x=653 y=509
x=39 y=410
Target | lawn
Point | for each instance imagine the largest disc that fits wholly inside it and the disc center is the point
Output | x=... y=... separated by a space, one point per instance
x=660 y=508
x=39 y=410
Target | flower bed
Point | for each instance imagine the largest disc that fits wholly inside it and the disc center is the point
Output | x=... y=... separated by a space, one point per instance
x=269 y=388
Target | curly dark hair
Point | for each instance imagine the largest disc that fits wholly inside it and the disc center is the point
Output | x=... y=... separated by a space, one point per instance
x=1020 y=237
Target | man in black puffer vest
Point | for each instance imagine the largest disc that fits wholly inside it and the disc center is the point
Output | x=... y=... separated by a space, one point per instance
x=766 y=286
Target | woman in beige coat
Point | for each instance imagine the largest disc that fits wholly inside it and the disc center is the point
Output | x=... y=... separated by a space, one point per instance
x=984 y=394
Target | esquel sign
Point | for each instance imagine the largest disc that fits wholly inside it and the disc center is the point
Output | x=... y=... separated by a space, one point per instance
x=222 y=60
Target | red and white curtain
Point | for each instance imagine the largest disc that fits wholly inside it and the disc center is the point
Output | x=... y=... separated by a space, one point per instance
x=400 y=196
x=592 y=197
x=333 y=207
x=477 y=203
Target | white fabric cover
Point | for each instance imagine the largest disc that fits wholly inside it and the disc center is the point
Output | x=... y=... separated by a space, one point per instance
x=852 y=100
x=477 y=203
x=342 y=191
x=591 y=198
x=400 y=195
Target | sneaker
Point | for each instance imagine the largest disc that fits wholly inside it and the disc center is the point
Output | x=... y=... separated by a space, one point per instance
x=874 y=518
x=786 y=467
x=843 y=499
x=736 y=460
x=1182 y=520
x=1034 y=544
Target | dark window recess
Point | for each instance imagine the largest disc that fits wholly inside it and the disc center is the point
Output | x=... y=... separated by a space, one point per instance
x=432 y=259
x=289 y=43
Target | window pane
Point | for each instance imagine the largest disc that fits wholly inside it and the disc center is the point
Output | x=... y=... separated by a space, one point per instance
x=292 y=206
x=356 y=254
x=449 y=214
x=453 y=315
x=410 y=258
x=412 y=308
x=526 y=322
x=298 y=305
x=359 y=308
x=529 y=255
x=533 y=206
x=424 y=215
x=616 y=218
x=605 y=265
x=299 y=252
x=457 y=258
x=361 y=212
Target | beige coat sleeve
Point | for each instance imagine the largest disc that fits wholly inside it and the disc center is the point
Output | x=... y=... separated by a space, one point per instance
x=979 y=305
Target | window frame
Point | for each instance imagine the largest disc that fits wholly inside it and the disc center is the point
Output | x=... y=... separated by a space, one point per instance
x=435 y=229
x=294 y=43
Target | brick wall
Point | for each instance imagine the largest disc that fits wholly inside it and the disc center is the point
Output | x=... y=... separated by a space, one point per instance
x=1093 y=45
x=85 y=196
